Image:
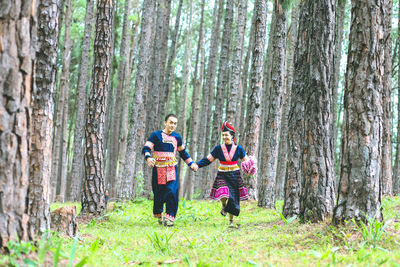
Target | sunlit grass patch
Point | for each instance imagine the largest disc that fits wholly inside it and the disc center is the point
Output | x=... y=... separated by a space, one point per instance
x=202 y=237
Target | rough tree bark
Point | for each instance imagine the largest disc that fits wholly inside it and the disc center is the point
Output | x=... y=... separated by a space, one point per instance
x=116 y=117
x=386 y=174
x=235 y=82
x=294 y=171
x=138 y=118
x=125 y=109
x=360 y=188
x=209 y=93
x=168 y=71
x=277 y=89
x=223 y=70
x=396 y=170
x=77 y=162
x=195 y=118
x=160 y=57
x=184 y=91
x=283 y=144
x=314 y=71
x=255 y=94
x=93 y=197
x=17 y=35
x=41 y=125
x=245 y=77
x=340 y=16
x=57 y=170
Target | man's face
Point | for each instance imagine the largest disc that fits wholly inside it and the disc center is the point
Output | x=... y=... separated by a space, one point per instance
x=170 y=124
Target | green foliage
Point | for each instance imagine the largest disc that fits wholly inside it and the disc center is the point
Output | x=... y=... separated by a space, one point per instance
x=372 y=231
x=287 y=221
x=329 y=253
x=17 y=254
x=140 y=184
x=202 y=237
x=35 y=253
x=161 y=242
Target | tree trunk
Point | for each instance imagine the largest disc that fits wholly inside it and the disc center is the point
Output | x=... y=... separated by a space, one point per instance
x=266 y=89
x=255 y=95
x=42 y=119
x=245 y=78
x=168 y=71
x=360 y=189
x=294 y=172
x=396 y=171
x=160 y=51
x=138 y=117
x=283 y=144
x=116 y=117
x=222 y=73
x=77 y=162
x=93 y=198
x=125 y=109
x=184 y=90
x=61 y=108
x=62 y=179
x=235 y=85
x=18 y=30
x=195 y=119
x=386 y=102
x=61 y=7
x=209 y=94
x=272 y=127
x=313 y=72
x=340 y=16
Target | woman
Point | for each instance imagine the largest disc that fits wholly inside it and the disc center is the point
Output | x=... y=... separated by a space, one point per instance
x=228 y=185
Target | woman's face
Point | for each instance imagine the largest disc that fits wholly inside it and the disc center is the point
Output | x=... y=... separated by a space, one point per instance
x=227 y=138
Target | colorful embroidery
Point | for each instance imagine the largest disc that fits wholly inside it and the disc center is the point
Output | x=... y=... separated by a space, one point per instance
x=164 y=159
x=243 y=193
x=217 y=194
x=210 y=157
x=170 y=140
x=228 y=156
x=188 y=160
x=169 y=163
x=232 y=152
x=224 y=168
x=169 y=217
x=165 y=174
x=149 y=144
x=162 y=154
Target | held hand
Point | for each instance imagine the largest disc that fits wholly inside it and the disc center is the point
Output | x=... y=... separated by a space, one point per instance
x=194 y=167
x=151 y=162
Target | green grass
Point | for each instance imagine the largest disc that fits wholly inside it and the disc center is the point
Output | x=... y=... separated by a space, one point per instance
x=202 y=237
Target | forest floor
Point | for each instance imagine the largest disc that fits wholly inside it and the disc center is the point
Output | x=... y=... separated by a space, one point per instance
x=129 y=235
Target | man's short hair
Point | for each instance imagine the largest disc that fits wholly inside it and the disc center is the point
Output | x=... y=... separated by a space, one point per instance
x=170 y=115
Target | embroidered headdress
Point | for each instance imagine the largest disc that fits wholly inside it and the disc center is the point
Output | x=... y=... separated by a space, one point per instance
x=227 y=127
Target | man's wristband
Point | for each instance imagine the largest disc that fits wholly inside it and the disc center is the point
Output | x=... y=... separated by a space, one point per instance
x=190 y=163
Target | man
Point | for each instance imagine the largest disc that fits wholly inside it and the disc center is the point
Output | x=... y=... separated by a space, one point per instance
x=165 y=180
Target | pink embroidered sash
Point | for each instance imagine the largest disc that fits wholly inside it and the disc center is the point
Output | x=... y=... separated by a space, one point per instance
x=228 y=156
